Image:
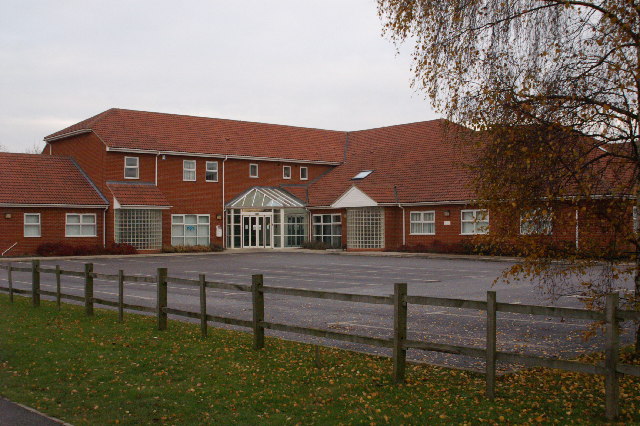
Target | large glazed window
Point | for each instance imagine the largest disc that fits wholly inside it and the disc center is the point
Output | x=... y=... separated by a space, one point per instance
x=295 y=229
x=190 y=230
x=328 y=229
x=141 y=228
x=365 y=228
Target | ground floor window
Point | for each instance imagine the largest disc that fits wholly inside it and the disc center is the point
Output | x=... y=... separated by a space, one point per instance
x=474 y=222
x=190 y=230
x=295 y=230
x=423 y=223
x=141 y=228
x=536 y=222
x=328 y=229
x=365 y=228
x=80 y=225
x=32 y=224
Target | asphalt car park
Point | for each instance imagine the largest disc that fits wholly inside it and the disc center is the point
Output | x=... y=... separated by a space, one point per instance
x=374 y=275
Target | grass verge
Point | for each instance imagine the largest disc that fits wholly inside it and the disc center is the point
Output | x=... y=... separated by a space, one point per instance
x=98 y=371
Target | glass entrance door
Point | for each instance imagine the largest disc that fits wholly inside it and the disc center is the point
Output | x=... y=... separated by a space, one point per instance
x=256 y=231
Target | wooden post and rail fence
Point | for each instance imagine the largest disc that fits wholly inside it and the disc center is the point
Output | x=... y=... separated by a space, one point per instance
x=398 y=342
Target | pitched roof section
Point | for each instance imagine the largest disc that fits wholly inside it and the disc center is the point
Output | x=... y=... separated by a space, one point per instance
x=36 y=179
x=265 y=197
x=127 y=129
x=411 y=163
x=137 y=195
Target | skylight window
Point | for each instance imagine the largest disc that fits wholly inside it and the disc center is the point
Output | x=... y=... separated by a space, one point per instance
x=363 y=174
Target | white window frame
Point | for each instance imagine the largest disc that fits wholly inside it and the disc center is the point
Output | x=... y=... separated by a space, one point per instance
x=136 y=167
x=335 y=221
x=306 y=173
x=284 y=172
x=257 y=170
x=81 y=224
x=422 y=221
x=209 y=163
x=25 y=224
x=184 y=230
x=537 y=222
x=189 y=170
x=475 y=221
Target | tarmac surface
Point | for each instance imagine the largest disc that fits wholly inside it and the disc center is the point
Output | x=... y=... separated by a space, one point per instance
x=440 y=276
x=12 y=414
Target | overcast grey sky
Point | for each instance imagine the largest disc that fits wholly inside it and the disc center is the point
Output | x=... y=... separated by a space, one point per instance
x=313 y=63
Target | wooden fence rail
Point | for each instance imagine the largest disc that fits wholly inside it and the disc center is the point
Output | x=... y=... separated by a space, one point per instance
x=611 y=369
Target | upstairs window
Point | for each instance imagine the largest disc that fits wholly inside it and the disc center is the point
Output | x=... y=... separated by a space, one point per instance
x=211 y=174
x=363 y=174
x=131 y=168
x=286 y=172
x=423 y=223
x=80 y=225
x=253 y=170
x=536 y=222
x=189 y=170
x=304 y=173
x=474 y=222
x=32 y=224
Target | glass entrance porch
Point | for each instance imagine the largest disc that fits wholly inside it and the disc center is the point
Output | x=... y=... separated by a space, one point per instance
x=265 y=217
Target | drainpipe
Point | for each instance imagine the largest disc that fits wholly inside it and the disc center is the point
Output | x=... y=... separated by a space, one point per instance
x=224 y=213
x=577 y=230
x=104 y=227
x=404 y=233
x=157 y=155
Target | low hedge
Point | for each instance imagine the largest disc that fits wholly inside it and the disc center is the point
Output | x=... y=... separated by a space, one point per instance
x=65 y=249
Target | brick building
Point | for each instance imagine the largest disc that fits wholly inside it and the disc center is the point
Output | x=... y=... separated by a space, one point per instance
x=166 y=179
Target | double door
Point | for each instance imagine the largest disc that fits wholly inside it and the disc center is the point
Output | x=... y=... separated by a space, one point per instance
x=256 y=231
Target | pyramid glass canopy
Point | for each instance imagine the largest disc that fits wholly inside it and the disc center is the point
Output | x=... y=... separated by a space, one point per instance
x=262 y=197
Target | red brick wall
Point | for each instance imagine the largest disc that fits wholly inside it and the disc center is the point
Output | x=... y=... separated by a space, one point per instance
x=88 y=151
x=199 y=196
x=445 y=233
x=52 y=229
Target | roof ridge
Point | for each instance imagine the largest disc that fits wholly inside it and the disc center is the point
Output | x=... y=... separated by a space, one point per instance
x=226 y=119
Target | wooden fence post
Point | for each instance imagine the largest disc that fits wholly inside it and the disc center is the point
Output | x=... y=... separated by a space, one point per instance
x=203 y=305
x=10 y=278
x=162 y=298
x=258 y=310
x=120 y=295
x=88 y=289
x=490 y=367
x=399 y=331
x=612 y=391
x=58 y=290
x=35 y=283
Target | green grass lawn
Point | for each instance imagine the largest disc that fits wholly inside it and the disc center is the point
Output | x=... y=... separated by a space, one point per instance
x=96 y=371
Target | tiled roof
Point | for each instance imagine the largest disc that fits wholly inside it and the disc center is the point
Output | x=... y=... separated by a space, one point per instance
x=44 y=179
x=417 y=162
x=120 y=128
x=137 y=194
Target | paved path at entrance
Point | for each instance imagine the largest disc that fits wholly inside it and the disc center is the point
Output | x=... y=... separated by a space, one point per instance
x=441 y=277
x=12 y=414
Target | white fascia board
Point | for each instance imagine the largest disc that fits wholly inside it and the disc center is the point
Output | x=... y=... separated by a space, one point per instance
x=354 y=198
x=221 y=156
x=74 y=206
x=67 y=135
x=132 y=207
